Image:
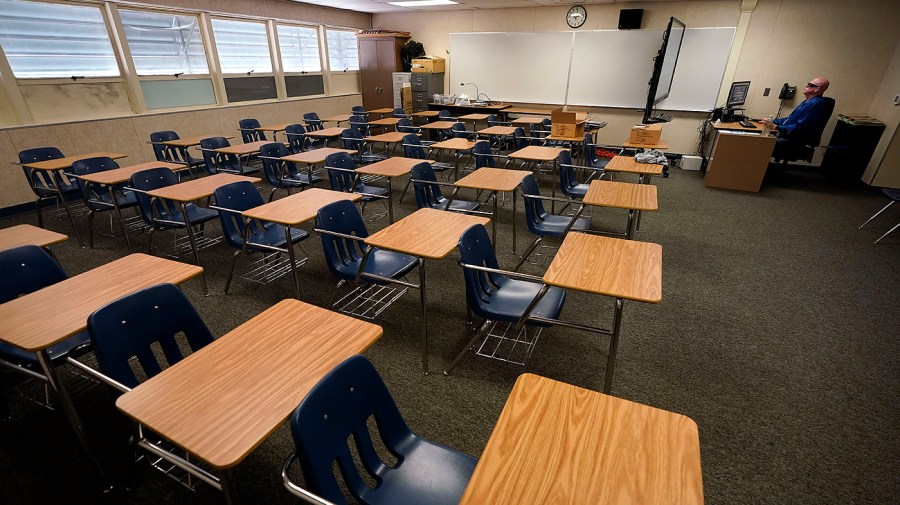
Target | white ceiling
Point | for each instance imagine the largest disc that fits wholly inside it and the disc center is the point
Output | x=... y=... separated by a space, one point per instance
x=374 y=6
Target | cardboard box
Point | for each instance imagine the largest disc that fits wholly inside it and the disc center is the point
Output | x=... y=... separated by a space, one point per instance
x=428 y=65
x=645 y=134
x=566 y=124
x=406 y=98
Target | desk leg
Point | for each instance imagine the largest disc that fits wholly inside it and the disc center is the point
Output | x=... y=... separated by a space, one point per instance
x=196 y=252
x=513 y=217
x=424 y=316
x=292 y=259
x=630 y=224
x=494 y=223
x=62 y=198
x=115 y=202
x=613 y=346
x=553 y=171
x=642 y=179
x=390 y=197
x=72 y=415
x=228 y=488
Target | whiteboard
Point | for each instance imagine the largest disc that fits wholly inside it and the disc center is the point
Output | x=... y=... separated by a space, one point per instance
x=609 y=68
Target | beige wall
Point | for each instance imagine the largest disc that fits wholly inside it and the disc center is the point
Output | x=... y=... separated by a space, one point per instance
x=884 y=168
x=852 y=43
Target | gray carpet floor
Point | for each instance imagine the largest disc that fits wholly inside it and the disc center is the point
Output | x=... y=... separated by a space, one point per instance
x=777 y=334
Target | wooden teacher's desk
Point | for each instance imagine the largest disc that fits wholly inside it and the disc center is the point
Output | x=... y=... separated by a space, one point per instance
x=739 y=159
x=561 y=444
x=224 y=400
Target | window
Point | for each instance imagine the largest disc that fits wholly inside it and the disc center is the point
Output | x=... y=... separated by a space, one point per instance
x=342 y=50
x=164 y=44
x=55 y=40
x=299 y=49
x=242 y=46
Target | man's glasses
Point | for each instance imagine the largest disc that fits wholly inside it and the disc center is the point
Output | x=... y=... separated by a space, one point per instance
x=811 y=85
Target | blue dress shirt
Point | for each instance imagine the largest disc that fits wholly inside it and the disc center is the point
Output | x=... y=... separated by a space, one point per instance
x=804 y=121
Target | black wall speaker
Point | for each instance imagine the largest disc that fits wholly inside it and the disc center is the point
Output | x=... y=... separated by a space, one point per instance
x=630 y=19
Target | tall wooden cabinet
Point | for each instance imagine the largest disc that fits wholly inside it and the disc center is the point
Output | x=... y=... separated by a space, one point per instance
x=379 y=57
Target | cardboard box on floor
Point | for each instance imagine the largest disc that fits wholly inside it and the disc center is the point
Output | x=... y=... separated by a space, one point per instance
x=406 y=98
x=566 y=124
x=645 y=134
x=428 y=65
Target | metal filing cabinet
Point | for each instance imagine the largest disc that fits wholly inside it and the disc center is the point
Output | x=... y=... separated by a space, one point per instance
x=399 y=79
x=423 y=87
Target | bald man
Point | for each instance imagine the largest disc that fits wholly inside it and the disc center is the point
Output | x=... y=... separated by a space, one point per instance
x=805 y=124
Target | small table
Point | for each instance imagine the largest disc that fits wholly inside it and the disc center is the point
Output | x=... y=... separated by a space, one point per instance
x=426 y=234
x=41 y=319
x=274 y=128
x=385 y=122
x=621 y=195
x=494 y=180
x=427 y=114
x=562 y=444
x=537 y=156
x=54 y=167
x=26 y=234
x=192 y=141
x=240 y=150
x=436 y=126
x=340 y=118
x=623 y=269
x=458 y=146
x=224 y=400
x=388 y=138
x=528 y=121
x=474 y=118
x=294 y=210
x=626 y=164
x=381 y=112
x=389 y=168
x=313 y=157
x=189 y=191
x=325 y=133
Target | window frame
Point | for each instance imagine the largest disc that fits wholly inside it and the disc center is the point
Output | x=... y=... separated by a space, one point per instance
x=203 y=39
x=325 y=31
x=273 y=65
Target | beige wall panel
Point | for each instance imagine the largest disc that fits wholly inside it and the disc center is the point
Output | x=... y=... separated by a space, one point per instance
x=14 y=188
x=886 y=172
x=281 y=9
x=59 y=102
x=345 y=83
x=508 y=20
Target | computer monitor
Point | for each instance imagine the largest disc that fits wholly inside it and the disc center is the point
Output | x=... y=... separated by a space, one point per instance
x=738 y=94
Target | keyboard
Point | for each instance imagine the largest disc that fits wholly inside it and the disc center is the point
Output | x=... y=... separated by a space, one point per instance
x=747 y=124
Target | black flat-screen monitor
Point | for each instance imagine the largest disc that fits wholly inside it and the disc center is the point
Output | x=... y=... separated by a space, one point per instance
x=664 y=66
x=738 y=94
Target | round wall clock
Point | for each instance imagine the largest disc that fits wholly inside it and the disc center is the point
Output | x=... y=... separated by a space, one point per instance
x=576 y=16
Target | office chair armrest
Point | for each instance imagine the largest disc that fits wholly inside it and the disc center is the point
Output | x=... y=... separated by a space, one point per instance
x=297 y=490
x=508 y=273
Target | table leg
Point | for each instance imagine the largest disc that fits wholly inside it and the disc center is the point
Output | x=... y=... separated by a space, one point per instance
x=293 y=260
x=62 y=198
x=553 y=170
x=630 y=224
x=194 y=250
x=390 y=198
x=513 y=217
x=494 y=224
x=424 y=316
x=642 y=179
x=115 y=202
x=613 y=346
x=72 y=415
x=227 y=481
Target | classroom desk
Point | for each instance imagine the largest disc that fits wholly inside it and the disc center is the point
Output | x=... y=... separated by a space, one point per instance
x=313 y=157
x=294 y=210
x=739 y=160
x=436 y=126
x=474 y=118
x=221 y=402
x=339 y=118
x=622 y=269
x=274 y=128
x=494 y=180
x=110 y=178
x=662 y=145
x=244 y=150
x=388 y=138
x=537 y=156
x=429 y=115
x=458 y=110
x=39 y=320
x=458 y=146
x=383 y=123
x=196 y=189
x=192 y=141
x=381 y=112
x=54 y=167
x=390 y=168
x=498 y=132
x=626 y=164
x=325 y=133
x=635 y=198
x=562 y=444
x=527 y=122
x=426 y=234
x=26 y=234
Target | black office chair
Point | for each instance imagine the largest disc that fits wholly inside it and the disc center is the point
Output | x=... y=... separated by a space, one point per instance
x=789 y=149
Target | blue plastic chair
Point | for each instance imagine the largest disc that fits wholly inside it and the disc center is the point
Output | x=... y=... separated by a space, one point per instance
x=359 y=110
x=249 y=132
x=590 y=153
x=568 y=179
x=458 y=131
x=312 y=121
x=282 y=174
x=359 y=123
x=444 y=115
x=216 y=163
x=343 y=177
x=413 y=148
x=252 y=237
x=540 y=222
x=44 y=184
x=428 y=191
x=405 y=125
x=26 y=269
x=172 y=154
x=497 y=295
x=164 y=214
x=343 y=233
x=399 y=112
x=352 y=139
x=339 y=407
x=297 y=139
x=98 y=199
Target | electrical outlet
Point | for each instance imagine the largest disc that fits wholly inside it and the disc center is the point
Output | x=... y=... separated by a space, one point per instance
x=896 y=99
x=766 y=91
